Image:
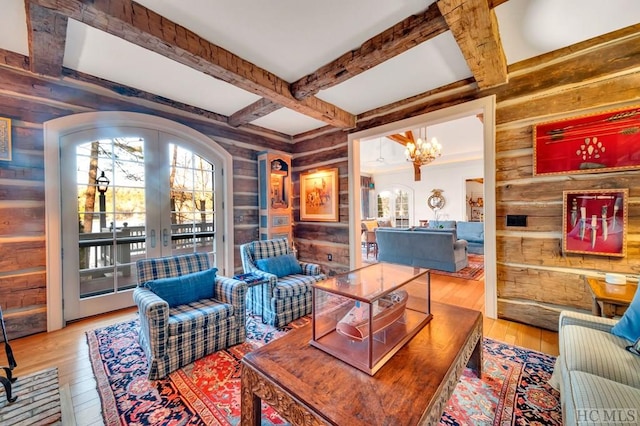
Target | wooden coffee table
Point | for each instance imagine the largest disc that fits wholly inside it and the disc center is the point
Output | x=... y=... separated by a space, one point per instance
x=305 y=385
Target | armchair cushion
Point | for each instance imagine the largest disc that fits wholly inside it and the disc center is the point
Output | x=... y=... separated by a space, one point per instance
x=280 y=266
x=184 y=289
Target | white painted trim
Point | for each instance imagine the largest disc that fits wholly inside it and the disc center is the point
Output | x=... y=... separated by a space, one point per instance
x=54 y=130
x=486 y=106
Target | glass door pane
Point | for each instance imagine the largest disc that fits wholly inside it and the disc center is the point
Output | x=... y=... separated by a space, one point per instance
x=111 y=210
x=192 y=202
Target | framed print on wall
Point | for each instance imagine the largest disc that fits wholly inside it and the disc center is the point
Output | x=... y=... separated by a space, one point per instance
x=602 y=142
x=595 y=222
x=5 y=139
x=319 y=196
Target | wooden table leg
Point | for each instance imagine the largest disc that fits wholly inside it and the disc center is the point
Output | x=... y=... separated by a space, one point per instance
x=475 y=361
x=595 y=308
x=250 y=403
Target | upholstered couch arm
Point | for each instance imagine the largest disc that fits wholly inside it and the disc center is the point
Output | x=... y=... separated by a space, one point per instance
x=586 y=320
x=231 y=291
x=154 y=319
x=310 y=268
x=460 y=244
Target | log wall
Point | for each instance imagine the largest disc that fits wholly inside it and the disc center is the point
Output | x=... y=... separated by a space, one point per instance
x=31 y=100
x=535 y=279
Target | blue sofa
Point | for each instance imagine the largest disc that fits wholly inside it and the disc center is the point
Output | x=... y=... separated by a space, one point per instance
x=428 y=248
x=472 y=232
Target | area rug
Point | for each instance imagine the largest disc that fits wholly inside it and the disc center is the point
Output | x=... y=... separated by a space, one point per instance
x=513 y=389
x=473 y=271
x=37 y=402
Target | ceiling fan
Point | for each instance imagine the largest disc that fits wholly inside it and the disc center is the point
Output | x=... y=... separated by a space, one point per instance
x=380 y=160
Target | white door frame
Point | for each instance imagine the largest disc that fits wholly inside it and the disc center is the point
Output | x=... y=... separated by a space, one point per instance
x=485 y=106
x=54 y=130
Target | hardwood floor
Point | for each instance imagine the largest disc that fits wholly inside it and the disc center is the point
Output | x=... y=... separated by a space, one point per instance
x=67 y=349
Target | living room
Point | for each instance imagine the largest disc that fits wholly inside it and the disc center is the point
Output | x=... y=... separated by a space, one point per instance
x=532 y=279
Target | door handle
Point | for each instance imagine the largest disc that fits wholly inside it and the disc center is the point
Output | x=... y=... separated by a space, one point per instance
x=152 y=238
x=165 y=237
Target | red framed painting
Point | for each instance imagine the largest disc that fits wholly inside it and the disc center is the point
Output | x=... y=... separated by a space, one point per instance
x=595 y=222
x=601 y=142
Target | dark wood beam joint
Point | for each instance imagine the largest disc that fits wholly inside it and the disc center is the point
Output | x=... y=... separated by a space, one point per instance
x=475 y=27
x=47 y=31
x=252 y=112
x=401 y=37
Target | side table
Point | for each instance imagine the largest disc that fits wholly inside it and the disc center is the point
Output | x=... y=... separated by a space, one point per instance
x=255 y=283
x=610 y=300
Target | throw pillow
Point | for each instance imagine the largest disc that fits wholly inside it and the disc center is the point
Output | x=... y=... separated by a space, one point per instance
x=629 y=325
x=185 y=288
x=280 y=266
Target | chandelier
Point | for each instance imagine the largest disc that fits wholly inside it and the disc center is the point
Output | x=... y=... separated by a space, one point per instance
x=422 y=151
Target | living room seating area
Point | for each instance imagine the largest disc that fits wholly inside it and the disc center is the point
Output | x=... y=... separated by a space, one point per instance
x=186 y=311
x=286 y=295
x=429 y=248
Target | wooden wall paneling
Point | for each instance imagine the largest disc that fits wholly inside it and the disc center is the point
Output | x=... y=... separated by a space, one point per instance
x=517 y=167
x=27 y=220
x=21 y=255
x=509 y=139
x=547 y=251
x=543 y=286
x=21 y=323
x=544 y=316
x=580 y=99
x=23 y=290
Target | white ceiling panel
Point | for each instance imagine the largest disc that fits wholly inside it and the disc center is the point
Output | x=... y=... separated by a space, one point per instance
x=100 y=54
x=290 y=38
x=427 y=66
x=529 y=28
x=289 y=122
x=13 y=27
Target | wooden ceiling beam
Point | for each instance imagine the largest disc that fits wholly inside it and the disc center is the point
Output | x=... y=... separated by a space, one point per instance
x=393 y=41
x=135 y=23
x=475 y=27
x=47 y=32
x=252 y=112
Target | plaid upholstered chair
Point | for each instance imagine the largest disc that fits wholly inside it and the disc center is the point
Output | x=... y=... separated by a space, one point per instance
x=287 y=295
x=186 y=311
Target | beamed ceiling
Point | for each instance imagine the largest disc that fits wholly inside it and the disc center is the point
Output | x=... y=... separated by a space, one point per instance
x=294 y=68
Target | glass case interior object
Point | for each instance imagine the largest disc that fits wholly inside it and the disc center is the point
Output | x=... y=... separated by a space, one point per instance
x=363 y=317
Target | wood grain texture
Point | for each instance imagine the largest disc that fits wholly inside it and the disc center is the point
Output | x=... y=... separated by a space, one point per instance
x=133 y=22
x=253 y=111
x=475 y=27
x=395 y=40
x=291 y=373
x=47 y=33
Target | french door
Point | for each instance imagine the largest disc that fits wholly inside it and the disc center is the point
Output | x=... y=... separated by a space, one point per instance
x=130 y=193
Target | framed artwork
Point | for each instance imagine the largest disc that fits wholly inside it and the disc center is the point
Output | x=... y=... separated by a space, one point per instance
x=601 y=142
x=319 y=196
x=5 y=139
x=595 y=222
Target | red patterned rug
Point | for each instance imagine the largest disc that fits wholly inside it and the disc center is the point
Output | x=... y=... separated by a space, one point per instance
x=513 y=389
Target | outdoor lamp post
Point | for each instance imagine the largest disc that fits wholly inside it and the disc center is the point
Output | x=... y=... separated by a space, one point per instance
x=103 y=185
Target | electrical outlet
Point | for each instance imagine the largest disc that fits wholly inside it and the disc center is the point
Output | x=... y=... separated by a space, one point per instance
x=330 y=257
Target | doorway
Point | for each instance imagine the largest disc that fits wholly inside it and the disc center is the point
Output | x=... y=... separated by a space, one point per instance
x=484 y=107
x=135 y=186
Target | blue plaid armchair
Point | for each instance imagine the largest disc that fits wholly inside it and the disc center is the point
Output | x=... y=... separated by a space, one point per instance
x=285 y=298
x=173 y=337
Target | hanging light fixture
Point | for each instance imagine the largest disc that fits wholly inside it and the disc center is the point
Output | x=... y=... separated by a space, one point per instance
x=423 y=151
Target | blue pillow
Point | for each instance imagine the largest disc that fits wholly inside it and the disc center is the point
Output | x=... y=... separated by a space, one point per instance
x=281 y=266
x=185 y=288
x=629 y=325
